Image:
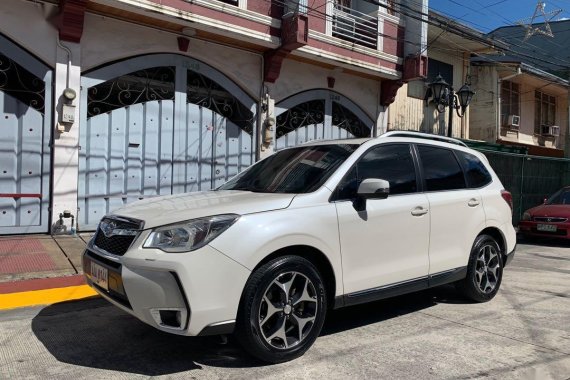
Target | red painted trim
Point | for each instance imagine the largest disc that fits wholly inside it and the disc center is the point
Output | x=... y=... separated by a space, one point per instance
x=294 y=34
x=17 y=196
x=265 y=7
x=394 y=39
x=71 y=20
x=183 y=44
x=273 y=61
x=388 y=91
x=217 y=15
x=233 y=20
x=41 y=284
x=353 y=54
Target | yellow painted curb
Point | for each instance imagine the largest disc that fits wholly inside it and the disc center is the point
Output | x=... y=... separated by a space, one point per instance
x=44 y=297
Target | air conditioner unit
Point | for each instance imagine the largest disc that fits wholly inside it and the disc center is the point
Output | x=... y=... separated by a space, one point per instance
x=550 y=130
x=514 y=121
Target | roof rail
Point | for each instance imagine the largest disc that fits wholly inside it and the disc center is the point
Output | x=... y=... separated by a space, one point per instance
x=420 y=135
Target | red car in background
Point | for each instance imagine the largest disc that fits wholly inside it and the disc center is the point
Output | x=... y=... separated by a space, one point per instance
x=551 y=219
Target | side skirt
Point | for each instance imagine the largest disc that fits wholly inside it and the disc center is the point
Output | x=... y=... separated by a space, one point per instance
x=400 y=288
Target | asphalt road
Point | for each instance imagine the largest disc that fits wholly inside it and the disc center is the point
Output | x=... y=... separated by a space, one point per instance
x=524 y=333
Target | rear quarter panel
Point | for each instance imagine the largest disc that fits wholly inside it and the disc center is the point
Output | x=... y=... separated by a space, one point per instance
x=498 y=213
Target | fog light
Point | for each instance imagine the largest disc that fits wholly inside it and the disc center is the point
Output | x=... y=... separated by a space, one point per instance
x=172 y=317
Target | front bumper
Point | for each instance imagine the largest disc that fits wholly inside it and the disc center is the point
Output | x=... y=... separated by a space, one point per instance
x=193 y=293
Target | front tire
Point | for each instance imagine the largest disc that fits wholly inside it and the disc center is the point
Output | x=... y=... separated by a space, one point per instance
x=282 y=310
x=484 y=271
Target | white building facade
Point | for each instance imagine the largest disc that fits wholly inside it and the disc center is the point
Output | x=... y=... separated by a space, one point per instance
x=106 y=102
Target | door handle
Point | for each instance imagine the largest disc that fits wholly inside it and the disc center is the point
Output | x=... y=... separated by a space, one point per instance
x=473 y=202
x=419 y=211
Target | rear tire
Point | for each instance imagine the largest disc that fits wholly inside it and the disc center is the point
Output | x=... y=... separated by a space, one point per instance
x=484 y=271
x=282 y=310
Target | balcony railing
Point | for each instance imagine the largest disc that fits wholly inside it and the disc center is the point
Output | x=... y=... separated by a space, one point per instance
x=354 y=26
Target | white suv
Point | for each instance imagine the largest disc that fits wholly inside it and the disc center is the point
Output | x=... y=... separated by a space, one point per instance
x=319 y=226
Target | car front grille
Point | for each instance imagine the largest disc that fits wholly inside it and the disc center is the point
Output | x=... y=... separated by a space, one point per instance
x=115 y=235
x=546 y=219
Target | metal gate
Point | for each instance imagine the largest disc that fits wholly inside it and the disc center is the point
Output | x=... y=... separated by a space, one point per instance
x=530 y=179
x=25 y=120
x=157 y=125
x=319 y=115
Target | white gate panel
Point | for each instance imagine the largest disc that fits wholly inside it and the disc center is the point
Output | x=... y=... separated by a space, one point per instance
x=158 y=130
x=25 y=132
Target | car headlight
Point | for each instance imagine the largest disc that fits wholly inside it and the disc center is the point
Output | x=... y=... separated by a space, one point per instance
x=526 y=216
x=189 y=235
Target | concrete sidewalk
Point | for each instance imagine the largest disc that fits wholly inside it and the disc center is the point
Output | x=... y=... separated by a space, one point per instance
x=33 y=265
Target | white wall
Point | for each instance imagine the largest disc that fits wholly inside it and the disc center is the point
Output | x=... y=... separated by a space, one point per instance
x=411 y=113
x=484 y=108
x=100 y=45
x=26 y=24
x=107 y=40
x=298 y=77
x=483 y=116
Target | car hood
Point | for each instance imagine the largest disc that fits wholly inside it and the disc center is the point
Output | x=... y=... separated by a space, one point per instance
x=176 y=208
x=557 y=211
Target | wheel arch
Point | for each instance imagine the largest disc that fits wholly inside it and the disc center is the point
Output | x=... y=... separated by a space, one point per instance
x=316 y=257
x=499 y=237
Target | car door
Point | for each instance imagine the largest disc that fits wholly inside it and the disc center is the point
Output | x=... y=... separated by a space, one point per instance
x=386 y=242
x=456 y=211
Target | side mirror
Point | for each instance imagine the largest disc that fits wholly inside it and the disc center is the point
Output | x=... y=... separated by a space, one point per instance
x=374 y=188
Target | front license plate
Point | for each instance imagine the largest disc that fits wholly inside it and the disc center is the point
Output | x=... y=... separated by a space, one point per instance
x=546 y=227
x=100 y=275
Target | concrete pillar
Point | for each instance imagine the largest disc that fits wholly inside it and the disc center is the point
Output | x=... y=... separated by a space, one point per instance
x=66 y=137
x=268 y=128
x=381 y=126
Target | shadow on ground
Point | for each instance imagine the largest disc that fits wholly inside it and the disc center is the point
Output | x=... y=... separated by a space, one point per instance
x=92 y=333
x=544 y=241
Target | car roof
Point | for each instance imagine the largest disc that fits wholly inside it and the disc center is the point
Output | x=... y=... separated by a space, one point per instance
x=357 y=141
x=404 y=137
x=399 y=136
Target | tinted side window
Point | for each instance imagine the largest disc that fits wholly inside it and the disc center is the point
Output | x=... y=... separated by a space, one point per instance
x=477 y=173
x=441 y=169
x=393 y=163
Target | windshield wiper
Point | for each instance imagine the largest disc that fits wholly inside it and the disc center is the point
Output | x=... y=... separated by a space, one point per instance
x=248 y=188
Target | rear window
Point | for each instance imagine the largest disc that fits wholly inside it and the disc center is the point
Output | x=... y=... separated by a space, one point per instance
x=475 y=171
x=441 y=169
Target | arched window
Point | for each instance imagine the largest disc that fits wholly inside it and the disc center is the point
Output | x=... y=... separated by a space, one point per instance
x=319 y=115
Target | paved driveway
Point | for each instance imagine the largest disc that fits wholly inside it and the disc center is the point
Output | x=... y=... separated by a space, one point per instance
x=523 y=333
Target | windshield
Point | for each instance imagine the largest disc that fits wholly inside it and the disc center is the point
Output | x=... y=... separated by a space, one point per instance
x=561 y=197
x=295 y=170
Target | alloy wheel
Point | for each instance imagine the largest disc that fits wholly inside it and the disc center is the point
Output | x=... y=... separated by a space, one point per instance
x=288 y=310
x=487 y=268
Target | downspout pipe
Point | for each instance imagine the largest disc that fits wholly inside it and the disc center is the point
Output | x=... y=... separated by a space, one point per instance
x=499 y=81
x=259 y=131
